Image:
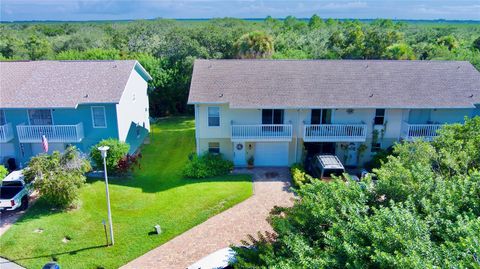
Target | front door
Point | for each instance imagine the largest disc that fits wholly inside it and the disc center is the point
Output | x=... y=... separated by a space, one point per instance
x=352 y=155
x=239 y=158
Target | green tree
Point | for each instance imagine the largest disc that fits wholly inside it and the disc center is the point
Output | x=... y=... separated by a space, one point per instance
x=253 y=45
x=315 y=22
x=422 y=212
x=448 y=41
x=37 y=48
x=58 y=176
x=476 y=43
x=399 y=51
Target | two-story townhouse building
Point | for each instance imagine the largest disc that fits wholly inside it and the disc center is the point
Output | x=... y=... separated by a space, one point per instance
x=71 y=103
x=279 y=111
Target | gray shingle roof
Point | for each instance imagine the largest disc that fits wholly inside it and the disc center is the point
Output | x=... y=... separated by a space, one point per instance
x=335 y=83
x=49 y=84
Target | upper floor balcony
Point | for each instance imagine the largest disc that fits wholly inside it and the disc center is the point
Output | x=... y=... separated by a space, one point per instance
x=53 y=133
x=335 y=132
x=420 y=131
x=262 y=132
x=6 y=133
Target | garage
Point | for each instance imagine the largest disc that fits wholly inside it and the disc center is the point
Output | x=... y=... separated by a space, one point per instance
x=271 y=154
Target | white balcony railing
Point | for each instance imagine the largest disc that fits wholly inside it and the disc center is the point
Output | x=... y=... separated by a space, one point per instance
x=54 y=133
x=262 y=132
x=424 y=131
x=335 y=133
x=6 y=132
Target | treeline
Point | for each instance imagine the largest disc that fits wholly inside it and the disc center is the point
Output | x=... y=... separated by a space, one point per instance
x=167 y=48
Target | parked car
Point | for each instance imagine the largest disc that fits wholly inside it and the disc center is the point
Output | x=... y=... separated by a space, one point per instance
x=220 y=259
x=327 y=166
x=14 y=192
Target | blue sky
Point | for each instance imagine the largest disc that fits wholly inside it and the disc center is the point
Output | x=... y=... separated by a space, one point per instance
x=146 y=9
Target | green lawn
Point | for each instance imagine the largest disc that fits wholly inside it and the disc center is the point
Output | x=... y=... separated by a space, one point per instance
x=156 y=195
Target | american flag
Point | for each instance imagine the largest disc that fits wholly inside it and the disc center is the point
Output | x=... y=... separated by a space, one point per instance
x=45 y=143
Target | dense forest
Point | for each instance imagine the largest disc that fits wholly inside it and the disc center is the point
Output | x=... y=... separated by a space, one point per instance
x=167 y=48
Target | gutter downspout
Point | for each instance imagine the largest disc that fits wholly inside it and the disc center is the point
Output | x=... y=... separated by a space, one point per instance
x=296 y=138
x=197 y=124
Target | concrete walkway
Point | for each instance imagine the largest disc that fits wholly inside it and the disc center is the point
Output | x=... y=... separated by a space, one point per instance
x=271 y=187
x=6 y=264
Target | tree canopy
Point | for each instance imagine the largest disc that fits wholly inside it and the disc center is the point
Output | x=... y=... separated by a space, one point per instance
x=422 y=212
x=168 y=47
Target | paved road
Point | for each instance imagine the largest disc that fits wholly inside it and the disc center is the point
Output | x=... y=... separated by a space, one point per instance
x=271 y=187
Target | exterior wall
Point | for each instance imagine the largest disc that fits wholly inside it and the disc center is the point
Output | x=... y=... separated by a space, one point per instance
x=226 y=146
x=132 y=110
x=389 y=133
x=61 y=116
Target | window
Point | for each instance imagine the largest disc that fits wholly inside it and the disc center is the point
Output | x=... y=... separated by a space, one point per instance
x=376 y=147
x=2 y=117
x=214 y=147
x=321 y=116
x=213 y=116
x=272 y=116
x=40 y=117
x=99 y=119
x=379 y=117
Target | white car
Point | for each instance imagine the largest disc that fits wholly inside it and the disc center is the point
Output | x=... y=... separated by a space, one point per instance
x=220 y=259
x=14 y=192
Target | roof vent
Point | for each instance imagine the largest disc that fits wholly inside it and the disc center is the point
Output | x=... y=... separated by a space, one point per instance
x=86 y=96
x=371 y=95
x=366 y=66
x=209 y=66
x=471 y=95
x=220 y=95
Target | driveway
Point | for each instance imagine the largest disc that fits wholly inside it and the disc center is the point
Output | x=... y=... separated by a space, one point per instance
x=271 y=187
x=8 y=218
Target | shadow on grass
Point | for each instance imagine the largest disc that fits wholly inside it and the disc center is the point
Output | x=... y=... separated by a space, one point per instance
x=149 y=185
x=55 y=255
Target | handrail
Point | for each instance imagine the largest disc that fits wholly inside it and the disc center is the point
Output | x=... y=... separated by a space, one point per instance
x=425 y=131
x=262 y=131
x=335 y=132
x=54 y=133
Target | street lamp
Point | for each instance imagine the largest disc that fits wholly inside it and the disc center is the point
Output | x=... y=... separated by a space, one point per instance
x=103 y=151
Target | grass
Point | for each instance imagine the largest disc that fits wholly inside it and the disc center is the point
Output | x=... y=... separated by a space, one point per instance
x=157 y=194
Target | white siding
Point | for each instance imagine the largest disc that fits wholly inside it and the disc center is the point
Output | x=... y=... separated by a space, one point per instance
x=133 y=106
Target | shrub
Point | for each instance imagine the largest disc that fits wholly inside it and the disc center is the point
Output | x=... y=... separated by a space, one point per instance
x=128 y=163
x=299 y=176
x=3 y=172
x=58 y=176
x=207 y=165
x=117 y=151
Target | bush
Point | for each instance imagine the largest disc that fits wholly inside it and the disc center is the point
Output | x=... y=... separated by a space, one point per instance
x=58 y=176
x=117 y=151
x=207 y=165
x=299 y=176
x=128 y=163
x=3 y=172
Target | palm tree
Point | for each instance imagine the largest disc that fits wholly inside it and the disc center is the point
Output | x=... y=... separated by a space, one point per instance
x=253 y=45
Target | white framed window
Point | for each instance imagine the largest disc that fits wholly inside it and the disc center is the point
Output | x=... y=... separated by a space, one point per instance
x=379 y=117
x=214 y=147
x=99 y=119
x=213 y=116
x=40 y=117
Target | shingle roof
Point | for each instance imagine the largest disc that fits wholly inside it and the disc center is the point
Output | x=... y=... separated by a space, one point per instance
x=335 y=83
x=50 y=84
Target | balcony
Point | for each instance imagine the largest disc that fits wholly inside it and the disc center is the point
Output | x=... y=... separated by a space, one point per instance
x=421 y=131
x=54 y=133
x=6 y=133
x=335 y=133
x=262 y=132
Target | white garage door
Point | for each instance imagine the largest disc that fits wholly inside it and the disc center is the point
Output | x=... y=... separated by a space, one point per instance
x=271 y=154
